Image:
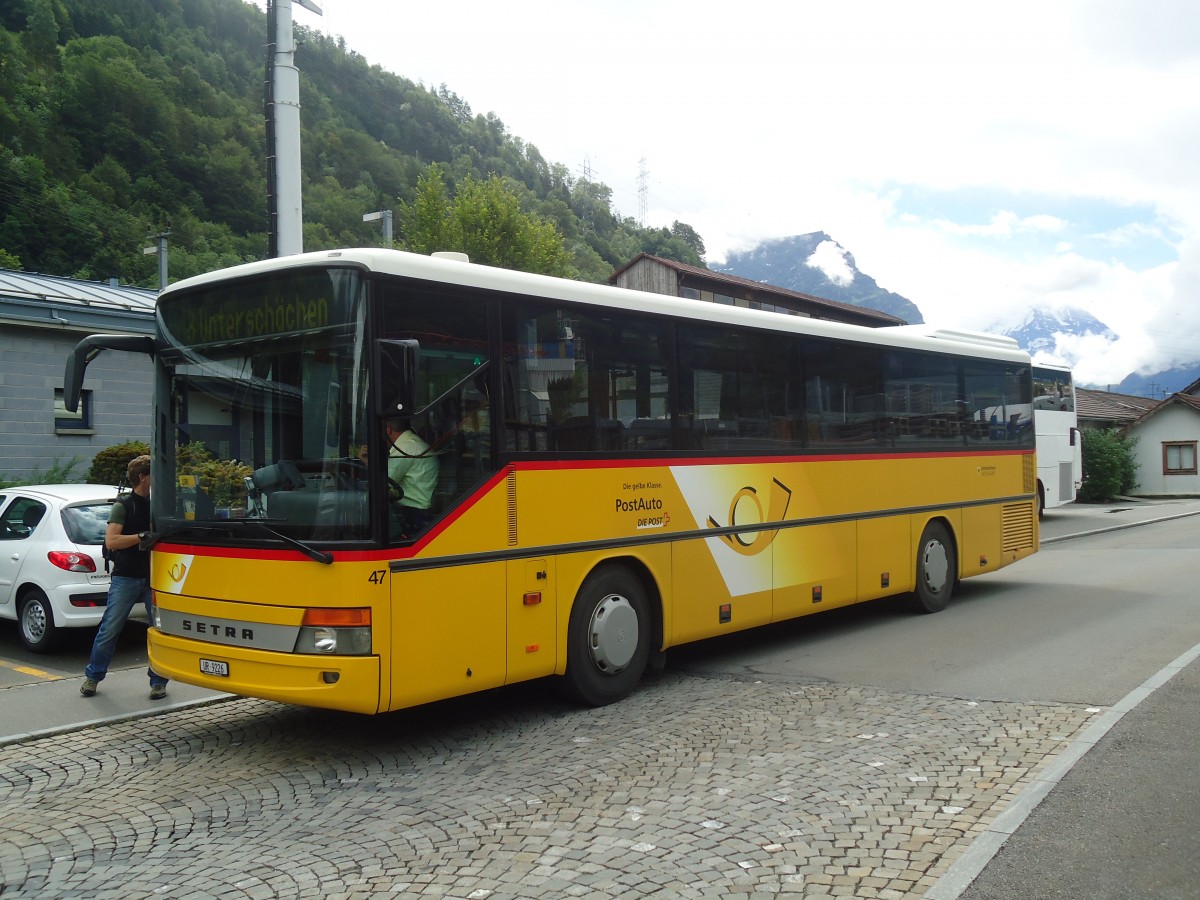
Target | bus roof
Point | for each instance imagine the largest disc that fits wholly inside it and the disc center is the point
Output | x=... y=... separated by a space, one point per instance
x=447 y=270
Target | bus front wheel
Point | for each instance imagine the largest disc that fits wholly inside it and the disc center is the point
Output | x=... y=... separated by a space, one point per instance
x=608 y=638
x=937 y=569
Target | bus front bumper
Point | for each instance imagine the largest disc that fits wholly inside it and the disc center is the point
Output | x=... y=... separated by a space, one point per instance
x=349 y=683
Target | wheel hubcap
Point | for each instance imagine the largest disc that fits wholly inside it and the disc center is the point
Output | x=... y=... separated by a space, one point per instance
x=613 y=634
x=33 y=620
x=937 y=566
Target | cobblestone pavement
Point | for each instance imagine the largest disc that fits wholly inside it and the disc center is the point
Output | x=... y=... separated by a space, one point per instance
x=694 y=787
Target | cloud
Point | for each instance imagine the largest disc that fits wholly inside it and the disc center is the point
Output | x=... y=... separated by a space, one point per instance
x=1061 y=137
x=1005 y=224
x=1174 y=325
x=831 y=260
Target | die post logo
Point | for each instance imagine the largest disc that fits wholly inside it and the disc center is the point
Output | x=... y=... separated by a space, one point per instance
x=745 y=502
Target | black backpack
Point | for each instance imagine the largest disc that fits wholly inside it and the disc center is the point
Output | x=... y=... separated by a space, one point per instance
x=104 y=551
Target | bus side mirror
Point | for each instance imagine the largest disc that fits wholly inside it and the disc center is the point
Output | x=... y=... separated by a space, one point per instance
x=88 y=349
x=396 y=377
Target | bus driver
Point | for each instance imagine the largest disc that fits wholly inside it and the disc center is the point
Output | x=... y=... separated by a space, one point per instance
x=413 y=469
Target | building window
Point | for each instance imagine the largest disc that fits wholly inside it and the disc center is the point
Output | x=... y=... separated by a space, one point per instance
x=78 y=422
x=1179 y=458
x=689 y=293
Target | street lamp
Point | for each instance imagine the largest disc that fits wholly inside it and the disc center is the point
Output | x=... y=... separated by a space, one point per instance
x=160 y=248
x=386 y=216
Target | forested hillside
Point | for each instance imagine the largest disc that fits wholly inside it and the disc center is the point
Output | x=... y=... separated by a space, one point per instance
x=125 y=118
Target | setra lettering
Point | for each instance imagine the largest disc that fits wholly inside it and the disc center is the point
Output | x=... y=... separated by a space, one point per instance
x=217 y=629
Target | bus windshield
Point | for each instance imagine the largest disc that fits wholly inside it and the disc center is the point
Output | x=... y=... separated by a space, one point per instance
x=262 y=407
x=1059 y=451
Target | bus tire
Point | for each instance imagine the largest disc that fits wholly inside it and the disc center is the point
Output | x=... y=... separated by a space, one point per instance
x=608 y=637
x=937 y=569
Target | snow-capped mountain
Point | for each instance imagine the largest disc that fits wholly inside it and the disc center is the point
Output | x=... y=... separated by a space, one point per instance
x=816 y=264
x=1052 y=332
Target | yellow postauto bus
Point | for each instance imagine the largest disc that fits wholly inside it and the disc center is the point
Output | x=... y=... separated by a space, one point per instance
x=609 y=473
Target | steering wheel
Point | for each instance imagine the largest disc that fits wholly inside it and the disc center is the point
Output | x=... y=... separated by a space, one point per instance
x=344 y=474
x=395 y=492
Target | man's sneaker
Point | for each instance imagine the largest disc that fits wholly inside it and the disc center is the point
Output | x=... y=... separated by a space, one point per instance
x=158 y=691
x=88 y=688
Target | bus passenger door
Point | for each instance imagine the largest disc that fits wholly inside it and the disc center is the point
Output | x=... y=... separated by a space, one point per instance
x=532 y=624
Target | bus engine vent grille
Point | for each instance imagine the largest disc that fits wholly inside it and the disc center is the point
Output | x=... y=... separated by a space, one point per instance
x=1017 y=529
x=511 y=485
x=1030 y=473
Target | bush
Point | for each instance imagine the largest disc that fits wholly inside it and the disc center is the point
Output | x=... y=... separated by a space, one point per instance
x=1109 y=469
x=58 y=473
x=222 y=480
x=111 y=463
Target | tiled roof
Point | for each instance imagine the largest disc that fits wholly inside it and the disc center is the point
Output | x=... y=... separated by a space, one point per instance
x=1187 y=400
x=759 y=287
x=1105 y=406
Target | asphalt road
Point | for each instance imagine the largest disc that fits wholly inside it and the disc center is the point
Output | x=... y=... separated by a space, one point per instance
x=19 y=666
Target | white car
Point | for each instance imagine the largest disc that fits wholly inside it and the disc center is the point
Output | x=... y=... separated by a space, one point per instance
x=51 y=566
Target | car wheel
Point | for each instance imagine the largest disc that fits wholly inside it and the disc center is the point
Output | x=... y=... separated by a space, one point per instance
x=608 y=638
x=36 y=619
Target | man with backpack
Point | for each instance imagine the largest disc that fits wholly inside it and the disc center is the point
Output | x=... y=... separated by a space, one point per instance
x=128 y=522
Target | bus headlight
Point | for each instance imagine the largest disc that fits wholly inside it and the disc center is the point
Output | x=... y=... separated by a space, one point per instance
x=335 y=632
x=332 y=641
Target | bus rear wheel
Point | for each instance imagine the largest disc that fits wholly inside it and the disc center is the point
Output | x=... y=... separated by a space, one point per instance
x=937 y=569
x=608 y=638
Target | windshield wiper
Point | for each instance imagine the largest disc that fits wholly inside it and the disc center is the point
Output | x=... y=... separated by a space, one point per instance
x=321 y=556
x=324 y=557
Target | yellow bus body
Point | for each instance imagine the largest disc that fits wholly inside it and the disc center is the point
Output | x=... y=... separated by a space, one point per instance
x=485 y=598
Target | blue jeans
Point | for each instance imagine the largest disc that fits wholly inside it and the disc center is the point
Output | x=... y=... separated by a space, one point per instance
x=123 y=593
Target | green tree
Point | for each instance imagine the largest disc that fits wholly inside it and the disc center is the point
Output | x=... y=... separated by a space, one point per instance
x=122 y=118
x=485 y=221
x=41 y=35
x=1109 y=469
x=689 y=236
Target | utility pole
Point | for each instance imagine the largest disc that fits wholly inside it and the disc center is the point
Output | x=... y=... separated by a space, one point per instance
x=384 y=215
x=282 y=101
x=643 y=191
x=159 y=247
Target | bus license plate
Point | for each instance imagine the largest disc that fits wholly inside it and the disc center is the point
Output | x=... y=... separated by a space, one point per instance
x=214 y=667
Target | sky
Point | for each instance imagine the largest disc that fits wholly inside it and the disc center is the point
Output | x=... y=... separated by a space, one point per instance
x=979 y=158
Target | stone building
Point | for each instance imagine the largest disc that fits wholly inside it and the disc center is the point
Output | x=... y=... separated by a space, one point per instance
x=42 y=318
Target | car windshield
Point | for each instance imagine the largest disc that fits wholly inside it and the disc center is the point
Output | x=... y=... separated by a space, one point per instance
x=86 y=522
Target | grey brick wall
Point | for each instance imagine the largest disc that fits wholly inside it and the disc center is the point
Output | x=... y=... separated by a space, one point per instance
x=32 y=361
